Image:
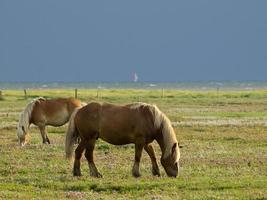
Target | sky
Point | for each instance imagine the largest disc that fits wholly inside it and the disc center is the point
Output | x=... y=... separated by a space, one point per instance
x=103 y=40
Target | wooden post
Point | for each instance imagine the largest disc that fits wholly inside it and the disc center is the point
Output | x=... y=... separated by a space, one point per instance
x=76 y=93
x=97 y=93
x=25 y=94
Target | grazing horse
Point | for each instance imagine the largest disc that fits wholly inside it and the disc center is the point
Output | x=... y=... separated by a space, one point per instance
x=42 y=112
x=137 y=123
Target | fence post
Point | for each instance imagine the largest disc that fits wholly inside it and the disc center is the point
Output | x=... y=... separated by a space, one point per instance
x=25 y=94
x=76 y=93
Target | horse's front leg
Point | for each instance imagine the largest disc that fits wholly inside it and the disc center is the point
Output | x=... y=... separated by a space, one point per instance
x=89 y=154
x=44 y=134
x=138 y=153
x=155 y=168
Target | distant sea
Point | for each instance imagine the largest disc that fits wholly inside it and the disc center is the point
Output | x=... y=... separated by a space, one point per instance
x=209 y=85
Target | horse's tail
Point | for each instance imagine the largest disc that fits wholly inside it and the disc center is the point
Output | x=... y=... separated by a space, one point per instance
x=71 y=135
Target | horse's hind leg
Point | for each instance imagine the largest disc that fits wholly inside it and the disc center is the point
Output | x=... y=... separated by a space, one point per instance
x=77 y=162
x=89 y=154
x=155 y=168
x=44 y=134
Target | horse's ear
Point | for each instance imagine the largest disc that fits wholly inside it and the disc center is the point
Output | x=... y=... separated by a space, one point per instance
x=174 y=147
x=180 y=146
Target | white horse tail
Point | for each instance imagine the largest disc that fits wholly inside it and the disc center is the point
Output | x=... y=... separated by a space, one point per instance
x=71 y=135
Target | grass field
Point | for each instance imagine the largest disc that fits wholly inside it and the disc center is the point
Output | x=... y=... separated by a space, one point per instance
x=224 y=156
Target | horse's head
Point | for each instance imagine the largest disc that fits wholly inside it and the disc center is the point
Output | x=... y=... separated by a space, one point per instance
x=171 y=162
x=22 y=135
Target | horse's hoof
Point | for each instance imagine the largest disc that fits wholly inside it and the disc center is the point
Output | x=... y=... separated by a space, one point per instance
x=76 y=172
x=136 y=174
x=155 y=172
x=97 y=175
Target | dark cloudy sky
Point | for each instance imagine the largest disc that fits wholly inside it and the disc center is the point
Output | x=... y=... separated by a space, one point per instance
x=104 y=40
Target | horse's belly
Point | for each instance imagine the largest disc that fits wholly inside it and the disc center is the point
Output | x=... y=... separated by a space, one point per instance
x=57 y=122
x=116 y=139
x=58 y=119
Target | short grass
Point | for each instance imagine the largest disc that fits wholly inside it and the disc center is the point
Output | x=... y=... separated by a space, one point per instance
x=219 y=160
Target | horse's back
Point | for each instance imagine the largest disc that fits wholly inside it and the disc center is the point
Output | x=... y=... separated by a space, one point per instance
x=115 y=124
x=55 y=112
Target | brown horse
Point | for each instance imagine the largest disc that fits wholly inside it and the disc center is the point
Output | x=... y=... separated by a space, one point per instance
x=137 y=123
x=42 y=112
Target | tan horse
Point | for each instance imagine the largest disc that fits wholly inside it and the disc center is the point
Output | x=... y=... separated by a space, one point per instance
x=42 y=112
x=137 y=123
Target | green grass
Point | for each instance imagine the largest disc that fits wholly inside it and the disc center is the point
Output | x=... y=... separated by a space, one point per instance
x=225 y=159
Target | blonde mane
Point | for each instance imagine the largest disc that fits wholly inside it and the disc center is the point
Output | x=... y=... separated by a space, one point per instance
x=24 y=120
x=161 y=121
x=169 y=137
